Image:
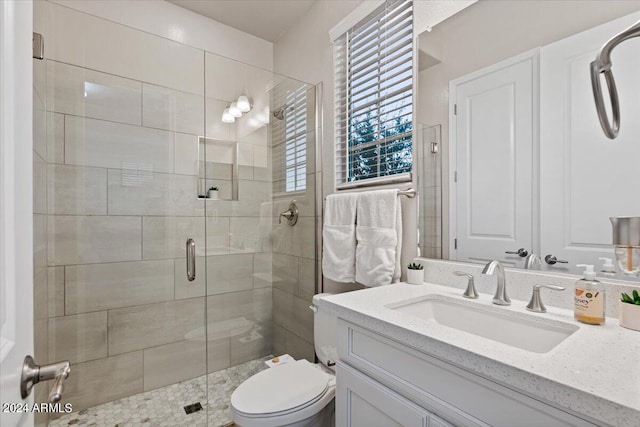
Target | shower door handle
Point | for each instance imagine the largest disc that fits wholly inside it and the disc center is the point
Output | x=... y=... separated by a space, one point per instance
x=191 y=260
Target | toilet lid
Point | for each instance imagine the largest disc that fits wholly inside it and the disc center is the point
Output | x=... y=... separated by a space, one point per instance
x=280 y=388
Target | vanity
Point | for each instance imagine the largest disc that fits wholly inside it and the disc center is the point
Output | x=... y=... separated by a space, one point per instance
x=426 y=356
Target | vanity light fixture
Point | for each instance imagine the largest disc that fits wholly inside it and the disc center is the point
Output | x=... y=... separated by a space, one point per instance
x=243 y=104
x=227 y=117
x=234 y=110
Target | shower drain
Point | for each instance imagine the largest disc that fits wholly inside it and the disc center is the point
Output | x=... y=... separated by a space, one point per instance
x=194 y=407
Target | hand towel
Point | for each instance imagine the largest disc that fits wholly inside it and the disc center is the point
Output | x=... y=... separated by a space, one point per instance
x=339 y=238
x=378 y=237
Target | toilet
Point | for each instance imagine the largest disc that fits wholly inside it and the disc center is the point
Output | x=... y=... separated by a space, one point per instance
x=297 y=393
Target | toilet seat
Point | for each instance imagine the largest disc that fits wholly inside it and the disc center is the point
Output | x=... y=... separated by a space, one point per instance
x=282 y=395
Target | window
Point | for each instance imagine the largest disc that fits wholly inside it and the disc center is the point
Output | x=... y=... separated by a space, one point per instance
x=290 y=140
x=374 y=89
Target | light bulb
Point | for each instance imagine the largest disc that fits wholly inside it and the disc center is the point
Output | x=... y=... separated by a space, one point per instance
x=243 y=104
x=234 y=110
x=227 y=117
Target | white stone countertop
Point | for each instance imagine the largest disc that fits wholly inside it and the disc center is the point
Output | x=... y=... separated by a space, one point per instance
x=595 y=371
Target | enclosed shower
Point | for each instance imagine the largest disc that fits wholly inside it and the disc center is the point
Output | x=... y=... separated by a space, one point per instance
x=131 y=160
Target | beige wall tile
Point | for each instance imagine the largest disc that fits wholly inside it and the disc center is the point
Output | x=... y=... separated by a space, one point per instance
x=150 y=325
x=306 y=278
x=39 y=130
x=250 y=234
x=229 y=273
x=304 y=237
x=90 y=142
x=279 y=339
x=285 y=272
x=91 y=239
x=55 y=138
x=237 y=312
x=251 y=344
x=104 y=380
x=82 y=92
x=56 y=291
x=41 y=292
x=40 y=241
x=134 y=192
x=218 y=237
x=166 y=237
x=186 y=154
x=262 y=270
x=299 y=348
x=170 y=109
x=293 y=314
x=100 y=44
x=39 y=184
x=174 y=363
x=77 y=190
x=78 y=338
x=183 y=287
x=218 y=354
x=115 y=285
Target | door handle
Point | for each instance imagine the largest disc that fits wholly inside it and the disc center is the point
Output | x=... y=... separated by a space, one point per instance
x=550 y=259
x=191 y=259
x=32 y=374
x=522 y=252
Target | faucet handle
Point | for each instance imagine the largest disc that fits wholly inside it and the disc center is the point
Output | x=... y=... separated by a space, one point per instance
x=535 y=304
x=471 y=287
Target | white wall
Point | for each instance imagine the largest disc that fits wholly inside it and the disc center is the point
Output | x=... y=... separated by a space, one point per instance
x=167 y=20
x=306 y=53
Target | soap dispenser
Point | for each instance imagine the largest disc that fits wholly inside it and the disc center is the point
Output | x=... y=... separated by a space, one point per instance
x=589 y=298
x=607 y=266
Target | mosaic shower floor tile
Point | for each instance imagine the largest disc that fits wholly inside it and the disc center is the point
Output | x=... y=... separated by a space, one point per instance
x=164 y=407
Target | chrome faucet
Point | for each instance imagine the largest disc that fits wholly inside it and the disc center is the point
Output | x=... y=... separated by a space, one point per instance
x=494 y=267
x=531 y=261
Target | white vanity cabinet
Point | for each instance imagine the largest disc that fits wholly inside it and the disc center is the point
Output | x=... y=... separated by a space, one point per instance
x=381 y=382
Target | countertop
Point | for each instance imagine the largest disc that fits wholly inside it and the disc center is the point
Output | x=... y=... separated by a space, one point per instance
x=595 y=371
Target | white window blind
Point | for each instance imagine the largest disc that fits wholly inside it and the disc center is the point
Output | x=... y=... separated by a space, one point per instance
x=289 y=138
x=373 y=89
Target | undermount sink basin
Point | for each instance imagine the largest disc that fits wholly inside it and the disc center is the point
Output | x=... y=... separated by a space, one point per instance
x=515 y=329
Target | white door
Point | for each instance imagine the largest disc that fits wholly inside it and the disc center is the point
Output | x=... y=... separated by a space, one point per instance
x=586 y=177
x=16 y=214
x=493 y=131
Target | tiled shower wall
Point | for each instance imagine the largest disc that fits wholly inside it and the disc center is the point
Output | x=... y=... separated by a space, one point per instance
x=294 y=251
x=121 y=154
x=429 y=169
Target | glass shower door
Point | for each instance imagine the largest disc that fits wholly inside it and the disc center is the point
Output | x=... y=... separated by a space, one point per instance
x=122 y=198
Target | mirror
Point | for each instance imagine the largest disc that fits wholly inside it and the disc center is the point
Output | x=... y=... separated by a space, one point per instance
x=523 y=167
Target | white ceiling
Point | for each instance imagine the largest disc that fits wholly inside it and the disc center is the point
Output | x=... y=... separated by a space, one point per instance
x=267 y=19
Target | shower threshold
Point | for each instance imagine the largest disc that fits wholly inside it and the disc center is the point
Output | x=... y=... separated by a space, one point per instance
x=165 y=407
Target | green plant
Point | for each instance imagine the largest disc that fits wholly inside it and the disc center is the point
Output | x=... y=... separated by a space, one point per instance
x=635 y=300
x=415 y=266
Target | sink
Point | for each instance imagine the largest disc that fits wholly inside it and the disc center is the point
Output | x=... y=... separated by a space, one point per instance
x=519 y=330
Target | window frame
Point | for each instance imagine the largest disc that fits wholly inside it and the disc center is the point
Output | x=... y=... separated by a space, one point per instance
x=343 y=70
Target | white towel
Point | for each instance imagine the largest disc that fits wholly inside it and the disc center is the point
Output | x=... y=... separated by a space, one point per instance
x=379 y=238
x=339 y=238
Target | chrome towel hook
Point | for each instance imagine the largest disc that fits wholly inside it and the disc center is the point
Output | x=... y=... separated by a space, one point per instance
x=602 y=64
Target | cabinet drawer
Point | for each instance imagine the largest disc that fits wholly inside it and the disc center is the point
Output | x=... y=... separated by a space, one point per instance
x=463 y=398
x=362 y=402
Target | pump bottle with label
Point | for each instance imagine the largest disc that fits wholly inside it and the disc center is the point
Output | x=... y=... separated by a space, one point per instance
x=589 y=298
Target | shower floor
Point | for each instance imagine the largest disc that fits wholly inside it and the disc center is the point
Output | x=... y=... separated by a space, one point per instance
x=164 y=407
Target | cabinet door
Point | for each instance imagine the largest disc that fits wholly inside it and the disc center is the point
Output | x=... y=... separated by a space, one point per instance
x=363 y=402
x=493 y=135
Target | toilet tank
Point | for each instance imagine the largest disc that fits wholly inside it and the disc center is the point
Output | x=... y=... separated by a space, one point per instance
x=325 y=331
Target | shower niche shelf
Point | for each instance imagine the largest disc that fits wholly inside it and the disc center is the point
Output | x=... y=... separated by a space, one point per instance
x=217 y=167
